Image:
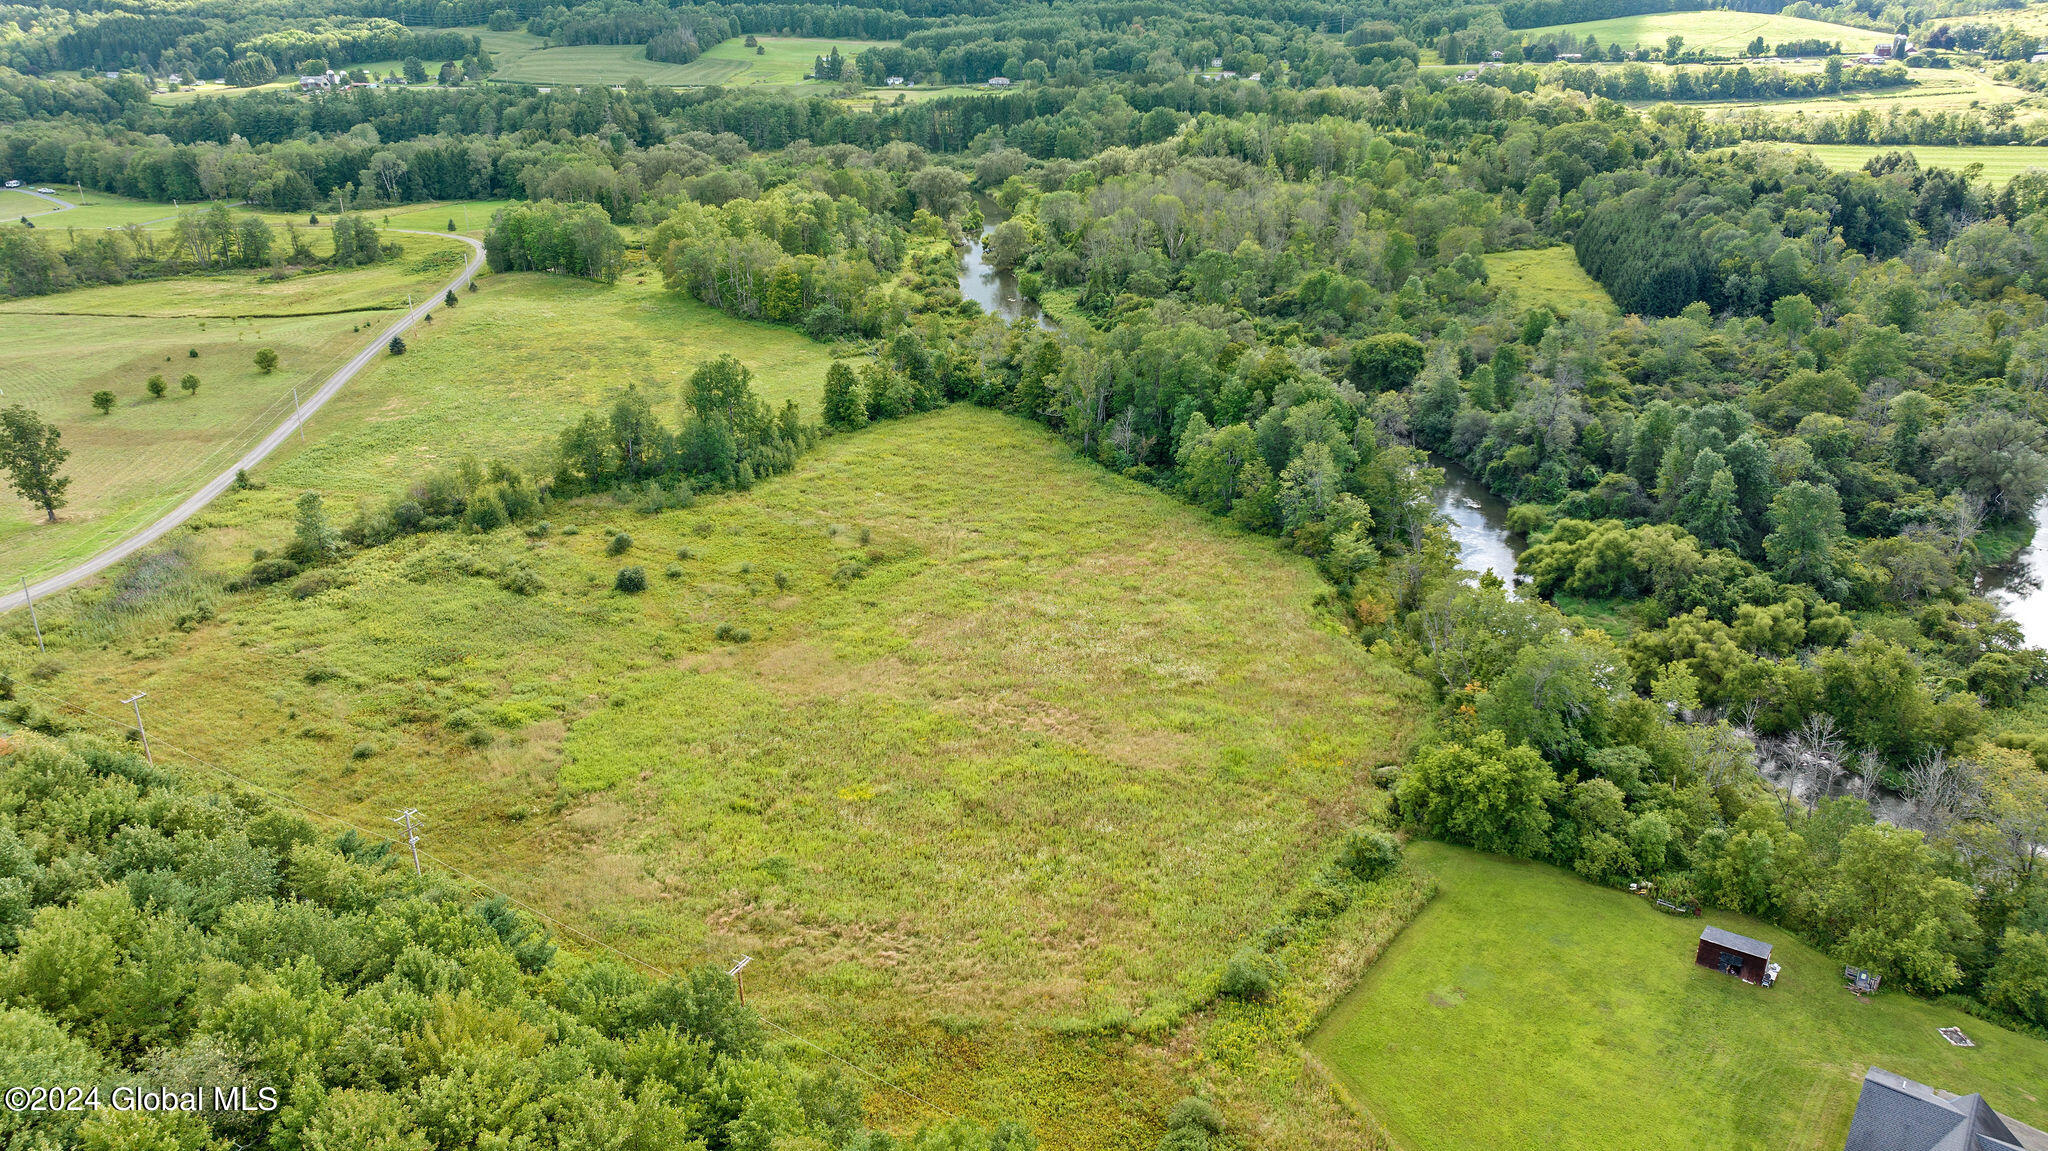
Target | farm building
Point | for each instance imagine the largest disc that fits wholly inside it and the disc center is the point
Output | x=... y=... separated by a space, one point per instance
x=1896 y=1114
x=1738 y=955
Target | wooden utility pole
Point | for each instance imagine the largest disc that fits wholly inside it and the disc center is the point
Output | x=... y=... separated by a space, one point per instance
x=412 y=835
x=33 y=621
x=739 y=981
x=135 y=701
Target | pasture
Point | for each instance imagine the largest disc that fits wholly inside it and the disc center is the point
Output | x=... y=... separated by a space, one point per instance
x=1545 y=1011
x=147 y=454
x=523 y=58
x=2000 y=162
x=1932 y=90
x=1041 y=761
x=1718 y=31
x=1548 y=276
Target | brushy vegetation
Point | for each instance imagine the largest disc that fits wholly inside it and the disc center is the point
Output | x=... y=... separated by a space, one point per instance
x=161 y=936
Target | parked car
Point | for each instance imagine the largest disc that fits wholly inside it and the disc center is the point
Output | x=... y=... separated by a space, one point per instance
x=46 y=191
x=14 y=183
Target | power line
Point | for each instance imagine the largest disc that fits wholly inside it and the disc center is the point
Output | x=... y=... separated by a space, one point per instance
x=482 y=885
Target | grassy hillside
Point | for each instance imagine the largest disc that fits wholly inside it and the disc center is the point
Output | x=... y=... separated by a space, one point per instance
x=2001 y=163
x=1549 y=276
x=1536 y=1004
x=1014 y=739
x=523 y=58
x=1718 y=31
x=147 y=454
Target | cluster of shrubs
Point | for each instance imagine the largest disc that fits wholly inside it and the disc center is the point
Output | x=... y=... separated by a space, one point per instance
x=1366 y=855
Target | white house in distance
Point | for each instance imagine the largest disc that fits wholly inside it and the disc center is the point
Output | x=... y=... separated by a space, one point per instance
x=894 y=81
x=998 y=81
x=323 y=82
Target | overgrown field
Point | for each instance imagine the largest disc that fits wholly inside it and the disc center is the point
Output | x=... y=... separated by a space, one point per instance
x=1932 y=90
x=521 y=57
x=1012 y=738
x=1545 y=1011
x=1718 y=31
x=148 y=453
x=1548 y=276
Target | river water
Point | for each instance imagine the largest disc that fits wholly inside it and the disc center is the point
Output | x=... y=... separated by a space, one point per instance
x=995 y=291
x=1478 y=521
x=2017 y=585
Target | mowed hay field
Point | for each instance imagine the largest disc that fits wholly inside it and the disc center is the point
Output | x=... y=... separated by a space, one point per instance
x=1548 y=276
x=1016 y=743
x=2001 y=162
x=1543 y=1011
x=147 y=454
x=1718 y=31
x=523 y=58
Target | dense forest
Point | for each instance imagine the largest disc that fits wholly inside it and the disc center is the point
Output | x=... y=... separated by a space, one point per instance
x=1757 y=493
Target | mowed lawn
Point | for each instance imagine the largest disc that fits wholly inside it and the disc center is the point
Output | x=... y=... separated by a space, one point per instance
x=1547 y=276
x=147 y=454
x=1528 y=1008
x=1719 y=31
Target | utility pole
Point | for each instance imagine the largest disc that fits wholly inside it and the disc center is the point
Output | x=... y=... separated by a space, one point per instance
x=32 y=616
x=412 y=834
x=738 y=980
x=135 y=701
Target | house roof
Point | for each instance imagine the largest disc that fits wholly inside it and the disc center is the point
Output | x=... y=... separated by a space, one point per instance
x=1896 y=1114
x=1738 y=943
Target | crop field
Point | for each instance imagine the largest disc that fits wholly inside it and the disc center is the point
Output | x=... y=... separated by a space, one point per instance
x=1718 y=31
x=1046 y=755
x=2001 y=162
x=1545 y=1011
x=1549 y=276
x=523 y=58
x=144 y=456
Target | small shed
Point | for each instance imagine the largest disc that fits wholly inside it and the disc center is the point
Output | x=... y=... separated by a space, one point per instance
x=1747 y=959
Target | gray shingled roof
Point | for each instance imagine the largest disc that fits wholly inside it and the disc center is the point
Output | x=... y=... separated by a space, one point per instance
x=1896 y=1114
x=1739 y=943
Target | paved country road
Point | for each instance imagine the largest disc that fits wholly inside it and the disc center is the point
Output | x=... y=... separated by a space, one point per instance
x=62 y=205
x=143 y=537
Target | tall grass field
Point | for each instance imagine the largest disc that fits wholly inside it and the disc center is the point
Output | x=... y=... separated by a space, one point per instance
x=523 y=58
x=1548 y=276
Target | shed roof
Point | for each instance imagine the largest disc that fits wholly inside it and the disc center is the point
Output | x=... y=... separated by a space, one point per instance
x=1737 y=943
x=1896 y=1114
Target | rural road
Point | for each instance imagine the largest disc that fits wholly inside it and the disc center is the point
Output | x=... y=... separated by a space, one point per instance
x=143 y=537
x=62 y=205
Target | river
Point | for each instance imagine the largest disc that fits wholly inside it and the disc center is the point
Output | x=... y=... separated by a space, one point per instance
x=995 y=291
x=2019 y=586
x=1478 y=521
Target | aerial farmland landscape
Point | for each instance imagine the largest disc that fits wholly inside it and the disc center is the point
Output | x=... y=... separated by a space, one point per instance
x=981 y=576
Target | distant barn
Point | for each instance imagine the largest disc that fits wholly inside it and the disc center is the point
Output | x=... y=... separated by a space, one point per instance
x=1747 y=959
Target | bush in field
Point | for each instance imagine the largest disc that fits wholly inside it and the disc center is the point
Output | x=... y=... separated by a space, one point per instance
x=631 y=580
x=1251 y=974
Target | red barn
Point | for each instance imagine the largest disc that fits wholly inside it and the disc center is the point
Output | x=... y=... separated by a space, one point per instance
x=1747 y=959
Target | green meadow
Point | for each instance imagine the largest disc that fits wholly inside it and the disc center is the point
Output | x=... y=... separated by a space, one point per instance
x=523 y=58
x=2000 y=162
x=1015 y=749
x=1719 y=31
x=1548 y=276
x=140 y=459
x=1543 y=1011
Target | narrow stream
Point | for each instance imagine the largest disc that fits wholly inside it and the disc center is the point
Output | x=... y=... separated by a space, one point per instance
x=2019 y=586
x=1478 y=522
x=995 y=291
